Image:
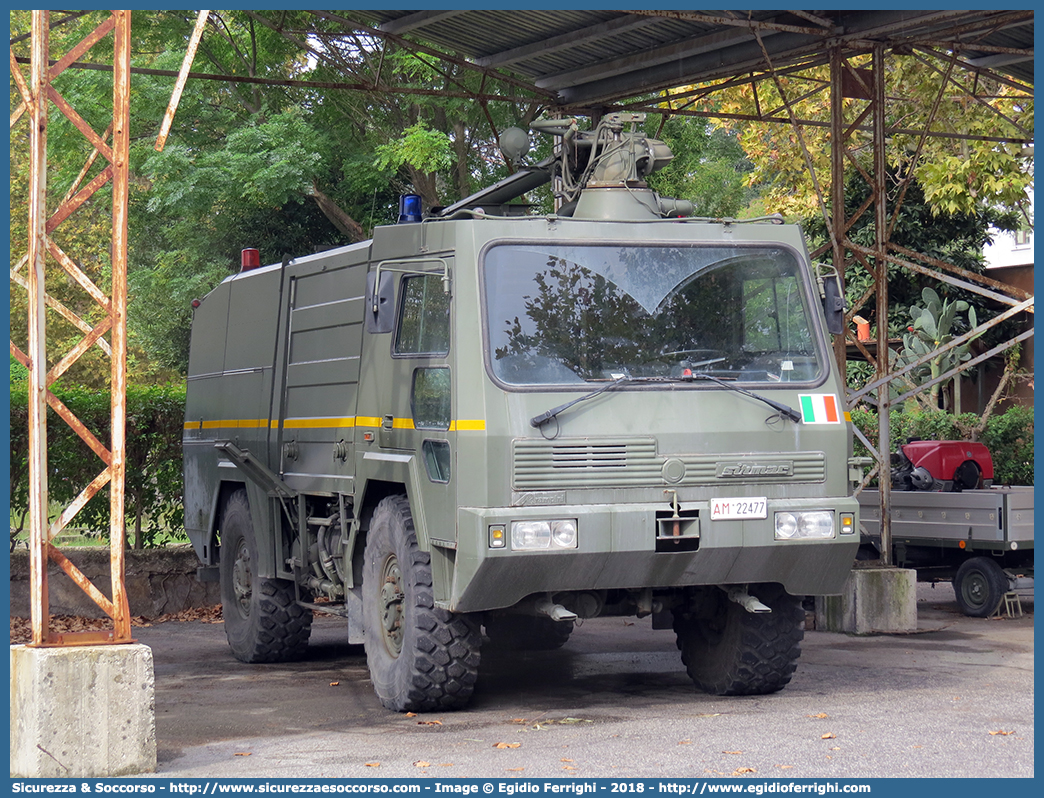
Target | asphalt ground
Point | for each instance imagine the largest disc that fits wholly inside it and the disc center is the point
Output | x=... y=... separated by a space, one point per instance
x=953 y=700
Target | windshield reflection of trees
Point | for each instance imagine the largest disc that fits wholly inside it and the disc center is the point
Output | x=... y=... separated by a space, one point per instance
x=577 y=325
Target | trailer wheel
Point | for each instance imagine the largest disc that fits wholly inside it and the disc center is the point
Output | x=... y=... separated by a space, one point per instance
x=979 y=586
x=420 y=657
x=263 y=621
x=528 y=632
x=729 y=651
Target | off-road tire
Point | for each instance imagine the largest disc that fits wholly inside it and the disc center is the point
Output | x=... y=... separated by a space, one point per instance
x=421 y=658
x=729 y=651
x=528 y=632
x=979 y=587
x=263 y=622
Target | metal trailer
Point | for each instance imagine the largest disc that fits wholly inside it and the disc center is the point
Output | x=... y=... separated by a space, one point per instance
x=982 y=539
x=486 y=424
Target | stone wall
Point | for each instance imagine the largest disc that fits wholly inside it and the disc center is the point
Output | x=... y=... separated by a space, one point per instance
x=158 y=581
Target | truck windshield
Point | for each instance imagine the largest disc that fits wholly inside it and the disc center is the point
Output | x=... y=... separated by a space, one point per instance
x=566 y=314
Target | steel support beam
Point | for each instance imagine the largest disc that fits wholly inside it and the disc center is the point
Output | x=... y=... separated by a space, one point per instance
x=38 y=95
x=37 y=338
x=880 y=193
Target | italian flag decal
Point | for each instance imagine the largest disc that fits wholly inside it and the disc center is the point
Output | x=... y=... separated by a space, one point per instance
x=819 y=408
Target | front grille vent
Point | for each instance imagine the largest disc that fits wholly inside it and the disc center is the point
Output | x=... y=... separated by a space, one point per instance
x=594 y=456
x=634 y=463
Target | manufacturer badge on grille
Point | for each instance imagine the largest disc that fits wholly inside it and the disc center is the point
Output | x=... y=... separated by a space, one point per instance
x=753 y=470
x=534 y=499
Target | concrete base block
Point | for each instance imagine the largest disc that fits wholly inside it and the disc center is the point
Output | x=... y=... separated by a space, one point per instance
x=82 y=711
x=875 y=600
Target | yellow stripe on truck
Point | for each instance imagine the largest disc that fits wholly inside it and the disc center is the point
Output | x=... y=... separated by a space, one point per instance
x=318 y=423
x=347 y=422
x=228 y=423
x=468 y=425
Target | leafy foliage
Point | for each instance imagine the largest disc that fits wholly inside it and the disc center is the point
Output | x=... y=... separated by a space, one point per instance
x=419 y=147
x=958 y=176
x=709 y=167
x=288 y=170
x=957 y=239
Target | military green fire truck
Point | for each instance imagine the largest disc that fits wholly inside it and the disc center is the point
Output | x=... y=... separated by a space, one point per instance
x=490 y=423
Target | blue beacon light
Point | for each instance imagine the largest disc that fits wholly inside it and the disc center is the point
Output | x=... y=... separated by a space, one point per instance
x=409 y=208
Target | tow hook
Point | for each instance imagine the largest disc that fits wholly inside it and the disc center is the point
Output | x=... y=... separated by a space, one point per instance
x=676 y=518
x=556 y=612
x=745 y=600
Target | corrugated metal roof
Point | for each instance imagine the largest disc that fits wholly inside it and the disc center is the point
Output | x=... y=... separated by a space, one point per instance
x=591 y=58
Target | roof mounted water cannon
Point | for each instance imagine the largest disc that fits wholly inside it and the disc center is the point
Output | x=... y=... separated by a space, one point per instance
x=614 y=151
x=622 y=154
x=601 y=172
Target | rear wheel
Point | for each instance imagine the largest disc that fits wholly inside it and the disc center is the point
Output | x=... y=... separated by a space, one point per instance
x=729 y=651
x=979 y=586
x=263 y=621
x=528 y=632
x=421 y=658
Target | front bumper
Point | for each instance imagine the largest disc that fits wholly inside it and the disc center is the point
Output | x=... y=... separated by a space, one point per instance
x=617 y=549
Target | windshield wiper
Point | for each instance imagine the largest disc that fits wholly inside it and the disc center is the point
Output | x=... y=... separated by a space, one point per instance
x=547 y=415
x=543 y=418
x=784 y=410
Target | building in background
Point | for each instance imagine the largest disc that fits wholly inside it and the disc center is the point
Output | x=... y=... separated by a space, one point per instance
x=1010 y=259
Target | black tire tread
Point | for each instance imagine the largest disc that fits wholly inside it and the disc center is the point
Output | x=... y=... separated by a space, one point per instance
x=438 y=665
x=996 y=582
x=759 y=653
x=278 y=627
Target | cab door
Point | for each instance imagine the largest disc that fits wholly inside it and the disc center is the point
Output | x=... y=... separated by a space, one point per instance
x=415 y=401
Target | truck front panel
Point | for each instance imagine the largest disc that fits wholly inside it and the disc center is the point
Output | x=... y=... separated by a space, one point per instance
x=667 y=437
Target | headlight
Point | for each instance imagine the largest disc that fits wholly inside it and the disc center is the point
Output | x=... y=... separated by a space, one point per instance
x=563 y=534
x=534 y=535
x=786 y=526
x=815 y=525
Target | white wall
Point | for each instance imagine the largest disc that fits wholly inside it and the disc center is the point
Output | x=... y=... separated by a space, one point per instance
x=1011 y=249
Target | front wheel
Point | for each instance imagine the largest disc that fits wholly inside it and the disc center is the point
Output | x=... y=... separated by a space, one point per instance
x=729 y=651
x=263 y=621
x=979 y=587
x=421 y=658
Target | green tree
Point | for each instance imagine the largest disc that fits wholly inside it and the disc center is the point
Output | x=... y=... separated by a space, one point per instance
x=288 y=170
x=955 y=238
x=709 y=166
x=956 y=175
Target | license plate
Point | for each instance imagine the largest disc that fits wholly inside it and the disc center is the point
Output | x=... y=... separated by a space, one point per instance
x=736 y=509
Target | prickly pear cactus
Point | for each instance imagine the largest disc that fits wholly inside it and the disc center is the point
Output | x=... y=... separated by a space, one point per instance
x=932 y=329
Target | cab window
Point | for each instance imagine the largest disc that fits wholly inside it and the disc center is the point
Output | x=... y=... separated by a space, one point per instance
x=423 y=327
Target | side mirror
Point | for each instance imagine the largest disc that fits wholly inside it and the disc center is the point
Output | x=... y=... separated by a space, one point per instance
x=834 y=304
x=380 y=307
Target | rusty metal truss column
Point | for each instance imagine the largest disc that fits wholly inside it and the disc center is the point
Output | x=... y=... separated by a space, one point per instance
x=38 y=95
x=880 y=195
